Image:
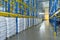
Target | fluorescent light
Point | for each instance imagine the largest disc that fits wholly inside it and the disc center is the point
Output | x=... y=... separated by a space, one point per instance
x=41 y=13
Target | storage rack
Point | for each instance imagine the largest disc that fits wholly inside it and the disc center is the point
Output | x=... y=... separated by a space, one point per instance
x=19 y=14
x=19 y=6
x=54 y=10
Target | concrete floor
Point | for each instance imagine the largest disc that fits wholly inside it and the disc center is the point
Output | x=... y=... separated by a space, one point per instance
x=40 y=32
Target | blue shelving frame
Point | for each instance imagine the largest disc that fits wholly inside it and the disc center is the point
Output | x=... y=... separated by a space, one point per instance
x=16 y=11
x=53 y=7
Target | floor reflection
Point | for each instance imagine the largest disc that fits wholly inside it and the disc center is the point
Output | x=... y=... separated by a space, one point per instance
x=40 y=32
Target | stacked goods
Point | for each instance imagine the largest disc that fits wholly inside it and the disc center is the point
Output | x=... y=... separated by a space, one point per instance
x=11 y=26
x=20 y=25
x=25 y=23
x=2 y=28
x=34 y=21
x=38 y=21
x=29 y=23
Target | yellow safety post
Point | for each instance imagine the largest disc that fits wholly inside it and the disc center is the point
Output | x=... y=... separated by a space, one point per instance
x=54 y=35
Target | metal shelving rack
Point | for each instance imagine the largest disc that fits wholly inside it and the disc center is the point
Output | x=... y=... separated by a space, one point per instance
x=54 y=10
x=20 y=9
x=16 y=8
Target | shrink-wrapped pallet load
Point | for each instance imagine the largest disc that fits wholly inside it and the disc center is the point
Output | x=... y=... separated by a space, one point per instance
x=11 y=26
x=3 y=26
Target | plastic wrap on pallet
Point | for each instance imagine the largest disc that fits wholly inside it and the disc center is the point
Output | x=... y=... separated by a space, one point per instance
x=29 y=23
x=25 y=26
x=37 y=21
x=11 y=26
x=20 y=24
x=34 y=21
x=2 y=28
x=25 y=23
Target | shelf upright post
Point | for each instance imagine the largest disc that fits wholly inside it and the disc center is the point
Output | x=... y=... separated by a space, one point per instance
x=3 y=5
x=16 y=7
x=27 y=9
x=55 y=9
x=16 y=11
x=12 y=5
x=27 y=2
x=52 y=9
x=19 y=8
x=50 y=6
x=22 y=8
x=33 y=9
x=36 y=8
x=8 y=6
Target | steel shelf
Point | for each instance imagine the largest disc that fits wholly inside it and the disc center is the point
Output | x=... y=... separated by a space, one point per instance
x=6 y=14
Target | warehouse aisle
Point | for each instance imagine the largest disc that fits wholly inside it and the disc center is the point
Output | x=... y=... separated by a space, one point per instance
x=40 y=32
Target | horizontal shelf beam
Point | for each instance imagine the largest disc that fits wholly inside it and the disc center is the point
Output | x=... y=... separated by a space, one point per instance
x=6 y=14
x=58 y=16
x=55 y=14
